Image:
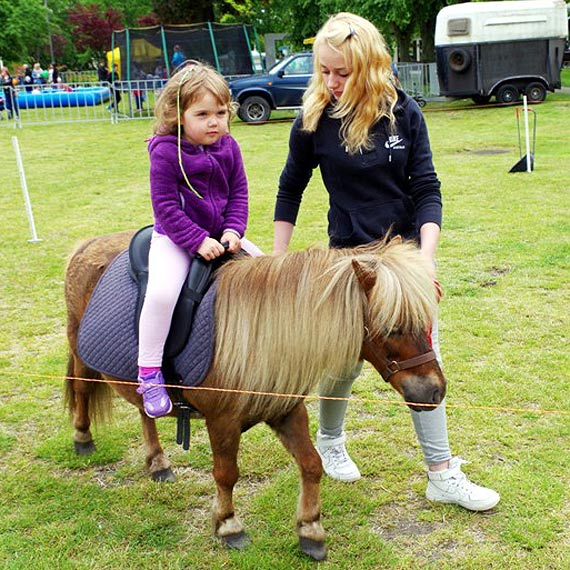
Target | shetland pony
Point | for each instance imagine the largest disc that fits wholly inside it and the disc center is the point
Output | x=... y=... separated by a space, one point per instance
x=284 y=325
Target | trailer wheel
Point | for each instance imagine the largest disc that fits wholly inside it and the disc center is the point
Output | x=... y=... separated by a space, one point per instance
x=536 y=92
x=459 y=60
x=508 y=93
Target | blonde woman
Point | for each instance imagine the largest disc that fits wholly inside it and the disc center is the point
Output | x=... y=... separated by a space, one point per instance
x=371 y=145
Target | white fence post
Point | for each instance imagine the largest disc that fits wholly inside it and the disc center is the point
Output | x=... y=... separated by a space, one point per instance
x=526 y=135
x=24 y=185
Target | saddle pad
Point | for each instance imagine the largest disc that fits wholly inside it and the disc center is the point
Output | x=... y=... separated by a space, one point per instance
x=108 y=339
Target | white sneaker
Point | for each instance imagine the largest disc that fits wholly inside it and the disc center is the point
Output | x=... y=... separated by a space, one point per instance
x=336 y=461
x=452 y=486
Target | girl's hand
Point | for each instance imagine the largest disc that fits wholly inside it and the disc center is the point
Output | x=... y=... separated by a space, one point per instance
x=233 y=241
x=210 y=248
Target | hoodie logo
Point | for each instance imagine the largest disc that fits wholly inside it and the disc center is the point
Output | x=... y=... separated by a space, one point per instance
x=394 y=141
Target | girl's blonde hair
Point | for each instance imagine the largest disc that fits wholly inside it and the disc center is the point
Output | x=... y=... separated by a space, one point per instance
x=183 y=89
x=368 y=95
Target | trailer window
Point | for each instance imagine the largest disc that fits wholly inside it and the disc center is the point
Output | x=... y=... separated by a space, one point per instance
x=458 y=27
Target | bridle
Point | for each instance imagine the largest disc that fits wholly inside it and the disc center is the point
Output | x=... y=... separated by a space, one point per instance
x=392 y=367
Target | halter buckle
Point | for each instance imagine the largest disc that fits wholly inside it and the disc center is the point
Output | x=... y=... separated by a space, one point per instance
x=393 y=367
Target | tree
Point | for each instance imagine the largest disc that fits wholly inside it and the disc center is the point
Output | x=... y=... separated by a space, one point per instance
x=427 y=13
x=92 y=29
x=183 y=11
x=24 y=29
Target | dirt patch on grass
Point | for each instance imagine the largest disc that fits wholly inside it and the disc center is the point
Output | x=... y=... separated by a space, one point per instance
x=403 y=521
x=495 y=273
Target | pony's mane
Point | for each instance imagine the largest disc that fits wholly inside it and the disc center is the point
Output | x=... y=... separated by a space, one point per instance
x=286 y=323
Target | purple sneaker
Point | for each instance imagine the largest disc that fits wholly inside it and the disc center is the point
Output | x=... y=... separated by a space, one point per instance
x=155 y=397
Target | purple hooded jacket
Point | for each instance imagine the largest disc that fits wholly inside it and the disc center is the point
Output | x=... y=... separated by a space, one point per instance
x=215 y=171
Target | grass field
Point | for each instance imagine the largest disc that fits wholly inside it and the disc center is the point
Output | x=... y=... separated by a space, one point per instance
x=504 y=262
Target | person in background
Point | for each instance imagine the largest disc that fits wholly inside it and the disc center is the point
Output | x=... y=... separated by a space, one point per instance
x=10 y=95
x=115 y=88
x=371 y=145
x=53 y=75
x=139 y=91
x=37 y=74
x=178 y=57
x=27 y=79
x=102 y=71
x=395 y=78
x=199 y=196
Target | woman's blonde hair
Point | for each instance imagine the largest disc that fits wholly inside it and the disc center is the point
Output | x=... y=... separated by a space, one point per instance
x=368 y=95
x=183 y=89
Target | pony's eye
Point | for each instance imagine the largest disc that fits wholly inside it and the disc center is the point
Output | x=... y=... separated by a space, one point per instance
x=396 y=333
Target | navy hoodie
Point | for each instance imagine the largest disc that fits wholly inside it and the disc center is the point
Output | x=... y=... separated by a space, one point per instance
x=393 y=185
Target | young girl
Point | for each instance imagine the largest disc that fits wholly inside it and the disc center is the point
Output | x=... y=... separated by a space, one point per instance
x=371 y=145
x=199 y=196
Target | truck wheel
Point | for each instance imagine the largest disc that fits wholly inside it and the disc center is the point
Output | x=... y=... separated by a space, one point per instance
x=536 y=92
x=254 y=109
x=508 y=93
x=459 y=60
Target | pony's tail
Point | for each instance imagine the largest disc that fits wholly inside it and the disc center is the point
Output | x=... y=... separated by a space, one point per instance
x=98 y=394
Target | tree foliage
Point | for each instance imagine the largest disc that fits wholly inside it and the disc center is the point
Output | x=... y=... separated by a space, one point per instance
x=24 y=28
x=183 y=11
x=81 y=29
x=92 y=27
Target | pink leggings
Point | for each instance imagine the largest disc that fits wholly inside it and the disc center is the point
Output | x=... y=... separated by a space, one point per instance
x=168 y=267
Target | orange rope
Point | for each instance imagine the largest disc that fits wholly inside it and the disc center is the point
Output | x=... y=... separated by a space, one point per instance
x=310 y=396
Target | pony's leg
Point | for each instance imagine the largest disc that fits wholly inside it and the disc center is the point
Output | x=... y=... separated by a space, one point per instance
x=78 y=394
x=293 y=431
x=224 y=440
x=158 y=464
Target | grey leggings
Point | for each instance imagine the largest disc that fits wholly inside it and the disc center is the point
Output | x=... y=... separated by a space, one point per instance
x=431 y=427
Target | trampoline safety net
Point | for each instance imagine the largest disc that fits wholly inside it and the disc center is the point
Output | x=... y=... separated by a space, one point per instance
x=157 y=51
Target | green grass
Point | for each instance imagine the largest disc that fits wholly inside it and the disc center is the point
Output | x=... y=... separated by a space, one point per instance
x=504 y=263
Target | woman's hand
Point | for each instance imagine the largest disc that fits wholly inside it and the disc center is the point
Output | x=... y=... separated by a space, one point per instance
x=429 y=238
x=211 y=248
x=430 y=261
x=233 y=241
x=281 y=236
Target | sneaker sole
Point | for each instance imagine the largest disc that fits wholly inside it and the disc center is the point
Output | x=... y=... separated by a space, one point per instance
x=347 y=480
x=159 y=415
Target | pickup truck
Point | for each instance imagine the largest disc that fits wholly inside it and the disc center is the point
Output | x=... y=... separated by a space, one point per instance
x=282 y=87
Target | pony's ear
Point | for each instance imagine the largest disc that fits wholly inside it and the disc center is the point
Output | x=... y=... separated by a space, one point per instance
x=365 y=275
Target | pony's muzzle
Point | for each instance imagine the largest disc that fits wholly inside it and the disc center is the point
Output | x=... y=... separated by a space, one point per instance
x=423 y=393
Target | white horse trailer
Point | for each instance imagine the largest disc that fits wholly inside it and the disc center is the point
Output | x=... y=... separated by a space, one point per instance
x=501 y=49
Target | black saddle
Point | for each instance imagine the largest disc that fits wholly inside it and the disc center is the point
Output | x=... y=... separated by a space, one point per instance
x=194 y=289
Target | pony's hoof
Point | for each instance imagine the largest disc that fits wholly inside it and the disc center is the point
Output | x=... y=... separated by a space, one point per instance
x=236 y=541
x=313 y=548
x=164 y=476
x=84 y=448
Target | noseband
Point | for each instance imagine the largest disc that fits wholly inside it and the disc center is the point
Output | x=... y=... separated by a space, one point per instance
x=392 y=367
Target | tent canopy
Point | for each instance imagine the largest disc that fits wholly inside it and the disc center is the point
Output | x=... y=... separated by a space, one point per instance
x=145 y=53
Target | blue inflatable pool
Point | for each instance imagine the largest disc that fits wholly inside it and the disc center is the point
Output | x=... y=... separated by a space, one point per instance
x=78 y=97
